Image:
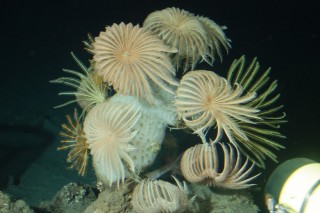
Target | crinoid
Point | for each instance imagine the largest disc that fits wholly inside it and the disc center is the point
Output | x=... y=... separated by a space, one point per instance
x=88 y=43
x=204 y=99
x=200 y=164
x=261 y=136
x=90 y=90
x=216 y=37
x=160 y=196
x=109 y=128
x=132 y=60
x=74 y=138
x=196 y=38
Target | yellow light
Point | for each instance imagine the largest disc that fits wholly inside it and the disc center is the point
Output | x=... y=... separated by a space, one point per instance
x=300 y=187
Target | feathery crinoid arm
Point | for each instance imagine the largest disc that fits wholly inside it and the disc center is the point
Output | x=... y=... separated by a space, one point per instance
x=132 y=60
x=197 y=38
x=75 y=140
x=88 y=43
x=89 y=88
x=203 y=164
x=160 y=196
x=204 y=99
x=262 y=136
x=216 y=37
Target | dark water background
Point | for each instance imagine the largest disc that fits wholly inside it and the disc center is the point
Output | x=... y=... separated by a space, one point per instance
x=36 y=38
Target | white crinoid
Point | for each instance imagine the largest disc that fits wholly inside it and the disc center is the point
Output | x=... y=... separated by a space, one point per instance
x=132 y=60
x=216 y=37
x=160 y=196
x=108 y=128
x=151 y=128
x=196 y=38
x=200 y=164
x=204 y=99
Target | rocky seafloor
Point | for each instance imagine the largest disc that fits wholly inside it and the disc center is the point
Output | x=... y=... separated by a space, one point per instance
x=75 y=198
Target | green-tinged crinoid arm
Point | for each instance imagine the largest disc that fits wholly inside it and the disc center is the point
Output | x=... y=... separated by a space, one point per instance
x=263 y=135
x=90 y=89
x=88 y=43
x=74 y=138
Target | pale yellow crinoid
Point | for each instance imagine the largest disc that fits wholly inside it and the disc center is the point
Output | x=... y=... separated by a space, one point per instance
x=132 y=60
x=216 y=37
x=200 y=164
x=160 y=196
x=196 y=38
x=204 y=99
x=261 y=136
x=74 y=138
x=109 y=130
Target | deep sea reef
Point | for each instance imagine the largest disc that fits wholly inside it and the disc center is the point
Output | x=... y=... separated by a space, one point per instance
x=142 y=82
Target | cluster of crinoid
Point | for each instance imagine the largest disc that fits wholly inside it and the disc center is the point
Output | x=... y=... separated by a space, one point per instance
x=130 y=94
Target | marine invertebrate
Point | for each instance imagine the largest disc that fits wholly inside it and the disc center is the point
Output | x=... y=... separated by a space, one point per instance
x=204 y=99
x=151 y=128
x=160 y=196
x=196 y=38
x=90 y=90
x=130 y=59
x=261 y=136
x=109 y=130
x=200 y=164
x=124 y=131
x=216 y=37
x=74 y=138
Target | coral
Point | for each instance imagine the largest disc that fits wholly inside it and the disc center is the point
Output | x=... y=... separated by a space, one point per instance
x=71 y=198
x=8 y=206
x=213 y=200
x=111 y=200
